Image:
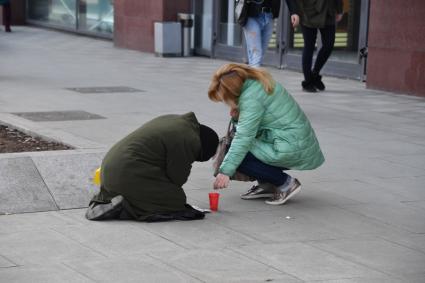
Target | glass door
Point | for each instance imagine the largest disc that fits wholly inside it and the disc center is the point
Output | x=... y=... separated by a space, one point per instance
x=203 y=11
x=227 y=33
x=93 y=17
x=56 y=13
x=229 y=41
x=348 y=57
x=96 y=16
x=276 y=46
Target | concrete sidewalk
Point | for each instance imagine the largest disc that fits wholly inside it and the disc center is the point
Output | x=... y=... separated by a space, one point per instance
x=359 y=218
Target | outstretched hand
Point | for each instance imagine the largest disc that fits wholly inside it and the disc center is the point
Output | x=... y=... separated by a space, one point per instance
x=221 y=181
x=295 y=20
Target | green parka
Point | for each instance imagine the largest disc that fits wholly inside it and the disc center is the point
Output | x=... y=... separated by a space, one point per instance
x=149 y=166
x=319 y=13
x=274 y=129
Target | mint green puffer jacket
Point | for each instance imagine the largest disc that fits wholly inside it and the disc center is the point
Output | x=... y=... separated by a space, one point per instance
x=274 y=129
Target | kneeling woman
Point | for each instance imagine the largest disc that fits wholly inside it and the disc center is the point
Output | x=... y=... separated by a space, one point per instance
x=142 y=175
x=272 y=135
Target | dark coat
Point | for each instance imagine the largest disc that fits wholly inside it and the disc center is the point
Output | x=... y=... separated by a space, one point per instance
x=149 y=166
x=319 y=13
x=254 y=9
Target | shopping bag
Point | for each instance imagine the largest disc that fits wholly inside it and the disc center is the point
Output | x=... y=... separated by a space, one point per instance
x=222 y=149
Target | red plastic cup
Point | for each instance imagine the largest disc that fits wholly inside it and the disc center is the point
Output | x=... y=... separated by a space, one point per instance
x=214 y=197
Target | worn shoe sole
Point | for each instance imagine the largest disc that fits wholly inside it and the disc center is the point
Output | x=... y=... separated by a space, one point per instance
x=275 y=202
x=102 y=211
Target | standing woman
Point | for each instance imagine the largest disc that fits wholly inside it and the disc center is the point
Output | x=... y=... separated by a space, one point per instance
x=7 y=14
x=259 y=26
x=272 y=134
x=322 y=15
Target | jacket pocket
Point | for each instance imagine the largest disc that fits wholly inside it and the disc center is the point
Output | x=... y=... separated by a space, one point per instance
x=311 y=8
x=319 y=5
x=287 y=153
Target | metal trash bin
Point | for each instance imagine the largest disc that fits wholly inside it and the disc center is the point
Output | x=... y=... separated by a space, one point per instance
x=167 y=39
x=186 y=21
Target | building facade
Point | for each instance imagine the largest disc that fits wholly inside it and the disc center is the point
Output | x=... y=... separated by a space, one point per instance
x=379 y=41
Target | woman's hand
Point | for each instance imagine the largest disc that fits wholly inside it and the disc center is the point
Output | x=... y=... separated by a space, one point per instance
x=234 y=113
x=339 y=17
x=221 y=181
x=295 y=20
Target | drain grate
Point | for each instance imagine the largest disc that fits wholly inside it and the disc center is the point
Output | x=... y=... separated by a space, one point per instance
x=111 y=89
x=51 y=116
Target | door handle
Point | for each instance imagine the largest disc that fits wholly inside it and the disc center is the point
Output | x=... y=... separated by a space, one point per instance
x=363 y=53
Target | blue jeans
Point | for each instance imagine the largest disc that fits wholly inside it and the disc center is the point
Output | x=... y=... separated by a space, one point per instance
x=264 y=173
x=257 y=33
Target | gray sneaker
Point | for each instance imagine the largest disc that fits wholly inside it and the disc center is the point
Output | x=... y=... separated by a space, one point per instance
x=262 y=190
x=281 y=197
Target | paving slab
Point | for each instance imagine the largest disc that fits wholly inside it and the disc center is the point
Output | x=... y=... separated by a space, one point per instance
x=70 y=177
x=22 y=189
x=39 y=221
x=409 y=278
x=208 y=234
x=113 y=238
x=42 y=274
x=410 y=240
x=357 y=192
x=398 y=215
x=411 y=188
x=379 y=254
x=307 y=262
x=4 y=262
x=43 y=247
x=125 y=269
x=220 y=265
x=411 y=160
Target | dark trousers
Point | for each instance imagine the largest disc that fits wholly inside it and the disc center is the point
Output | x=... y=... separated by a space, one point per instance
x=261 y=171
x=7 y=14
x=328 y=40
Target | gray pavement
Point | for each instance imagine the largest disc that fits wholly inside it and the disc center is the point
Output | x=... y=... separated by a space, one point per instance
x=358 y=218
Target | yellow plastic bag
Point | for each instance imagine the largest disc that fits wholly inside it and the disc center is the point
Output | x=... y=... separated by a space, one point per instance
x=96 y=177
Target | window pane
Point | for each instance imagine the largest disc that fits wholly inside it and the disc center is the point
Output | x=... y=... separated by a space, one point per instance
x=96 y=16
x=273 y=39
x=56 y=12
x=347 y=31
x=230 y=32
x=203 y=24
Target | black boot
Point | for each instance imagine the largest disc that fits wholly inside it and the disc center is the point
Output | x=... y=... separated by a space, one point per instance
x=317 y=81
x=308 y=86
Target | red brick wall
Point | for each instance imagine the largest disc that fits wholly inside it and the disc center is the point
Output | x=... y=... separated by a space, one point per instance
x=396 y=59
x=134 y=20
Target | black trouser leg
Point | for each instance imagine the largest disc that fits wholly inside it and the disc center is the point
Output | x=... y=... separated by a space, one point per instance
x=309 y=35
x=264 y=173
x=328 y=40
x=7 y=14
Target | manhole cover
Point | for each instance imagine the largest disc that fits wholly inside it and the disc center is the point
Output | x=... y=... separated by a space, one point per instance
x=112 y=89
x=58 y=116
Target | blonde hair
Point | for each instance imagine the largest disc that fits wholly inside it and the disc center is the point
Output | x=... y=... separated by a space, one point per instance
x=227 y=82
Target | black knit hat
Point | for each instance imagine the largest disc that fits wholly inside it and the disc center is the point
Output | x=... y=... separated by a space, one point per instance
x=209 y=142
